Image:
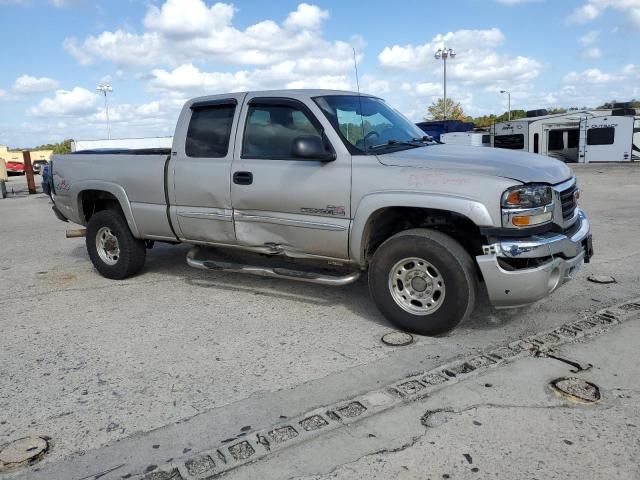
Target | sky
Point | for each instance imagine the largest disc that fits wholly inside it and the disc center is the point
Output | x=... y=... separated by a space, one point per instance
x=158 y=53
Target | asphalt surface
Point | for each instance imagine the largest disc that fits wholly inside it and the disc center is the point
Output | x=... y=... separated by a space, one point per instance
x=91 y=362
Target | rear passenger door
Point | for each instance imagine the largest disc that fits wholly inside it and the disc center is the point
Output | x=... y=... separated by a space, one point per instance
x=201 y=162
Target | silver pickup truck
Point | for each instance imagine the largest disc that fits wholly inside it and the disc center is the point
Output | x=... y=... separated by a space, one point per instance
x=321 y=186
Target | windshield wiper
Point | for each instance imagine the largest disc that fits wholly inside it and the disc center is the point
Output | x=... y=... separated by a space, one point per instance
x=411 y=143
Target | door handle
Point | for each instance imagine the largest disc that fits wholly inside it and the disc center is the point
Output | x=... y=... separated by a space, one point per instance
x=243 y=178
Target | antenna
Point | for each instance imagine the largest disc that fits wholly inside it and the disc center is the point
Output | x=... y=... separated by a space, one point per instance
x=355 y=67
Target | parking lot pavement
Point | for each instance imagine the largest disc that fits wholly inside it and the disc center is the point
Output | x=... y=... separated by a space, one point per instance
x=185 y=355
x=506 y=423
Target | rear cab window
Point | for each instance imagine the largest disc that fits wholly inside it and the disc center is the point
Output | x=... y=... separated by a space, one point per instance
x=210 y=130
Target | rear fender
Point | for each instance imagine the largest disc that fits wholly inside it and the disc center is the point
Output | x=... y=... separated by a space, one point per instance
x=112 y=188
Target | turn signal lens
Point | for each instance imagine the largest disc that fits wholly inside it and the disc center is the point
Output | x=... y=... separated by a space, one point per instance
x=528 y=220
x=513 y=198
x=520 y=221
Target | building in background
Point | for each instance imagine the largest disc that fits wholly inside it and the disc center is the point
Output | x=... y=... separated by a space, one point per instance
x=15 y=156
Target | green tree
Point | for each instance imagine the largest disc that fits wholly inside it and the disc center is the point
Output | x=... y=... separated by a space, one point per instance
x=58 y=148
x=437 y=112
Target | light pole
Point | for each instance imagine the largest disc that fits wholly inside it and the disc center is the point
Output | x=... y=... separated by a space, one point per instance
x=508 y=102
x=444 y=53
x=106 y=88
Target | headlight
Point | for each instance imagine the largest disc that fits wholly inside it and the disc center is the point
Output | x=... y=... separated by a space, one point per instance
x=527 y=206
x=527 y=196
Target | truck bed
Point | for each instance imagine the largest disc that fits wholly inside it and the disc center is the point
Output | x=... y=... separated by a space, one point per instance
x=135 y=177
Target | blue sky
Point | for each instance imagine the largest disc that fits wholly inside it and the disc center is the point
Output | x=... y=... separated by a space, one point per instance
x=156 y=54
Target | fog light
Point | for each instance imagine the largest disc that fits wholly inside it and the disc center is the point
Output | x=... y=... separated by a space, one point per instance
x=527 y=220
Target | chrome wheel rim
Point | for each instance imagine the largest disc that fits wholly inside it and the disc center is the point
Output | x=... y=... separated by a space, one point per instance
x=107 y=246
x=416 y=286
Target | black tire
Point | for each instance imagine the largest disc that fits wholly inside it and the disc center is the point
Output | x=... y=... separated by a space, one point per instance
x=132 y=252
x=453 y=264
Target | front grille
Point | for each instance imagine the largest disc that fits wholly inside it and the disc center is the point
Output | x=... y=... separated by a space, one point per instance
x=569 y=204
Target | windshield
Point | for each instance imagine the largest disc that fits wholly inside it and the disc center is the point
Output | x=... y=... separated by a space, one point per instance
x=368 y=124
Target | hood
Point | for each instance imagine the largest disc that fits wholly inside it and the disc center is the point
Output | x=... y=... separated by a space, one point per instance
x=521 y=166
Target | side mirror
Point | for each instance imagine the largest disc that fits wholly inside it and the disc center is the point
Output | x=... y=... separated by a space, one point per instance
x=311 y=147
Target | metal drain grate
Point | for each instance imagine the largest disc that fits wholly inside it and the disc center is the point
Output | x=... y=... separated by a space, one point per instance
x=577 y=389
x=21 y=452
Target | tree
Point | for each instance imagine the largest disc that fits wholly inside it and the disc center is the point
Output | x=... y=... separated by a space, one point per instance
x=454 y=110
x=58 y=148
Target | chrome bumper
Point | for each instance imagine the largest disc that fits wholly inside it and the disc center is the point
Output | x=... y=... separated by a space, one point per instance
x=514 y=288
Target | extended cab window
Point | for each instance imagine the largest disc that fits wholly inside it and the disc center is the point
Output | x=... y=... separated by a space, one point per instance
x=209 y=131
x=271 y=129
x=600 y=136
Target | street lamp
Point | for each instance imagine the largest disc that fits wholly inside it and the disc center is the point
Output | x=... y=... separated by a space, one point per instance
x=444 y=53
x=106 y=88
x=509 y=102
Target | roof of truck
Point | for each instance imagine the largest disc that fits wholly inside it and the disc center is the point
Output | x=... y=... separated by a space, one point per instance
x=306 y=92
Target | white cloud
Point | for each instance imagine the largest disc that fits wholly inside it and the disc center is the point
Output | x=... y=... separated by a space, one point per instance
x=184 y=18
x=477 y=61
x=189 y=80
x=29 y=84
x=631 y=71
x=589 y=37
x=306 y=17
x=78 y=101
x=591 y=75
x=592 y=9
x=592 y=53
x=418 y=57
x=188 y=30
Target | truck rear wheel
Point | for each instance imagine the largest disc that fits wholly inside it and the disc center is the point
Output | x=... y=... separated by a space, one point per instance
x=114 y=251
x=423 y=281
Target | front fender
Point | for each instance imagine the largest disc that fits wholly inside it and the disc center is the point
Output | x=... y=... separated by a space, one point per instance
x=472 y=209
x=114 y=189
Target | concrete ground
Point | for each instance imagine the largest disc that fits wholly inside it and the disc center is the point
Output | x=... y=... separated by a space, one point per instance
x=175 y=359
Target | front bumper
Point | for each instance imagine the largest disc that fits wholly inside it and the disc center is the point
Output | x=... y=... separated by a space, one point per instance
x=563 y=258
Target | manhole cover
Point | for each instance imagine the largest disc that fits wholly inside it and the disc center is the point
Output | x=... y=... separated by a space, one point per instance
x=577 y=389
x=601 y=279
x=397 y=339
x=22 y=451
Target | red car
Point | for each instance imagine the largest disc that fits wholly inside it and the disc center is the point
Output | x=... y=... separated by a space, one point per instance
x=15 y=167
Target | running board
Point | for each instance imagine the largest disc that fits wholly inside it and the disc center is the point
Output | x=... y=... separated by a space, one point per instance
x=284 y=273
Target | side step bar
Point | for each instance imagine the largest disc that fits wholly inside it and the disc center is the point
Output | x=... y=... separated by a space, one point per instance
x=275 y=272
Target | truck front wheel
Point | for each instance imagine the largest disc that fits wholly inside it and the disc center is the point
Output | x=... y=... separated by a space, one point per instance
x=423 y=281
x=114 y=251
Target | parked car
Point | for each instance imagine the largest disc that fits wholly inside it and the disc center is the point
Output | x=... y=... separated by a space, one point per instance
x=15 y=168
x=37 y=165
x=45 y=179
x=291 y=175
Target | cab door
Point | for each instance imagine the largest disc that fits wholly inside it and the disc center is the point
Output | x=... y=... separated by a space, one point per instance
x=285 y=204
x=201 y=165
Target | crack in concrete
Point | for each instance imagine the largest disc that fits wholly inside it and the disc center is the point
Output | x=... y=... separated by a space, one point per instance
x=416 y=438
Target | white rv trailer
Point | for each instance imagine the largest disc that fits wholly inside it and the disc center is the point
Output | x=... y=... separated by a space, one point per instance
x=477 y=139
x=120 y=143
x=580 y=136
